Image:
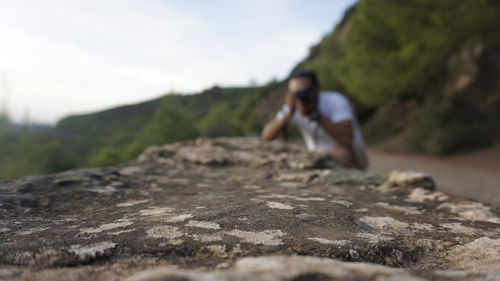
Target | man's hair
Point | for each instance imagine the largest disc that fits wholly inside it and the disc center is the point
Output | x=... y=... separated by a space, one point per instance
x=309 y=74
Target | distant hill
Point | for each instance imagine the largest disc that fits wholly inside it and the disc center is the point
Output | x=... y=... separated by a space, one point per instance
x=119 y=134
x=85 y=133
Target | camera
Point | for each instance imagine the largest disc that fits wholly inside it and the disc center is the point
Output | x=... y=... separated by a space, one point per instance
x=305 y=95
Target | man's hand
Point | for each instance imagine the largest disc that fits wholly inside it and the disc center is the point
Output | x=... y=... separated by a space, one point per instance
x=291 y=101
x=275 y=128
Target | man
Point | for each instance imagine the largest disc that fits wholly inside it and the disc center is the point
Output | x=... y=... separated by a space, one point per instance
x=325 y=119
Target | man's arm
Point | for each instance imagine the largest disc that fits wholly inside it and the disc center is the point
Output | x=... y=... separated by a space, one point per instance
x=339 y=131
x=274 y=128
x=342 y=132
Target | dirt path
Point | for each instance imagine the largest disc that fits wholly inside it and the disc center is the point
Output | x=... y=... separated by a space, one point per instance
x=473 y=175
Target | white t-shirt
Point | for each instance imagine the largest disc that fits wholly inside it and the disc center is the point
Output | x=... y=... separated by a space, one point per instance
x=337 y=108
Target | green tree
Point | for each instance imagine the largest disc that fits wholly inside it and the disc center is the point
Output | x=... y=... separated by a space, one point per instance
x=171 y=122
x=219 y=121
x=399 y=48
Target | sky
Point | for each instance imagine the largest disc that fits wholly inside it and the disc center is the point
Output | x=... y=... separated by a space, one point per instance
x=64 y=57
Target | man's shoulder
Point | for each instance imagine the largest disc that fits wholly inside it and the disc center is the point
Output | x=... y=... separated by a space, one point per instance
x=333 y=98
x=336 y=106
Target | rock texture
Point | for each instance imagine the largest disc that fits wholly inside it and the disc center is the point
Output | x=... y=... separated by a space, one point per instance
x=239 y=209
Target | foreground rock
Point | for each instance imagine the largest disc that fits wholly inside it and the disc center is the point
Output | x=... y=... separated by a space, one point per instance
x=238 y=209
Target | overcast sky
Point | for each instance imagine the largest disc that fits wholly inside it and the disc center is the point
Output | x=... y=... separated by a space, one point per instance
x=61 y=57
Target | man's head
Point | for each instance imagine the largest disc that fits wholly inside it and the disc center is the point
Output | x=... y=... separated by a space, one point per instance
x=304 y=85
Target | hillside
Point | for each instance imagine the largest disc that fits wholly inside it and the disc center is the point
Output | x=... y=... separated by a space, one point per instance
x=119 y=134
x=85 y=133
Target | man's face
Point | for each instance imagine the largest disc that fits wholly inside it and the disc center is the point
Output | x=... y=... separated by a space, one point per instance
x=297 y=84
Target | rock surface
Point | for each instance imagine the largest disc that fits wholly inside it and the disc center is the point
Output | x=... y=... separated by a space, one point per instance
x=239 y=209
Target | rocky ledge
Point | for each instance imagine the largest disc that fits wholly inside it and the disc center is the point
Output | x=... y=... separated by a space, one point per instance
x=239 y=209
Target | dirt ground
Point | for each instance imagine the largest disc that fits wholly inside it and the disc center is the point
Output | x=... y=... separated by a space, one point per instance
x=473 y=175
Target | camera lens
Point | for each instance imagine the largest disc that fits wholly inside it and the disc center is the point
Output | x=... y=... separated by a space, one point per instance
x=304 y=95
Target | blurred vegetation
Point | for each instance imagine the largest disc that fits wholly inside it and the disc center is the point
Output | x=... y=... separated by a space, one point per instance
x=443 y=129
x=390 y=57
x=27 y=153
x=121 y=134
x=395 y=48
x=214 y=112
